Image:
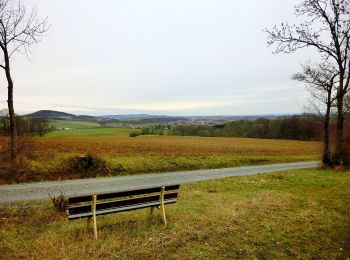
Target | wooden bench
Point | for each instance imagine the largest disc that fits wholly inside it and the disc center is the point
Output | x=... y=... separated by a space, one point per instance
x=90 y=206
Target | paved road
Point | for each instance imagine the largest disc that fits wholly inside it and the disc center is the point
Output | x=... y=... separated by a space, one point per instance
x=39 y=191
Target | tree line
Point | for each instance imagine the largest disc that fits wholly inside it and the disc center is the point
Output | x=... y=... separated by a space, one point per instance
x=26 y=126
x=294 y=128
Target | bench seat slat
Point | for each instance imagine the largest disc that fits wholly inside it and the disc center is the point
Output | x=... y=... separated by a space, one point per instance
x=119 y=203
x=86 y=198
x=120 y=209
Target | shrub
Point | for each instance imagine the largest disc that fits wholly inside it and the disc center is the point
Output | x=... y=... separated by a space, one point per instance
x=24 y=149
x=5 y=152
x=134 y=134
x=60 y=202
x=87 y=166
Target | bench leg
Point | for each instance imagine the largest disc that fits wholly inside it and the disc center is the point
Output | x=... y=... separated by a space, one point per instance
x=152 y=209
x=162 y=205
x=94 y=198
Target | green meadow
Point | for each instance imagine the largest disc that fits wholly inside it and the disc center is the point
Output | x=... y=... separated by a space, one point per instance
x=300 y=214
x=73 y=124
x=90 y=132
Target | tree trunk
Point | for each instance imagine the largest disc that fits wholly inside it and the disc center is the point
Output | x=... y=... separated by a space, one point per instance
x=13 y=128
x=326 y=153
x=338 y=157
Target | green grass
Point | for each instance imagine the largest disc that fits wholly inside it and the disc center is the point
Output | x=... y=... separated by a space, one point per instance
x=73 y=124
x=93 y=133
x=303 y=214
x=122 y=166
x=128 y=165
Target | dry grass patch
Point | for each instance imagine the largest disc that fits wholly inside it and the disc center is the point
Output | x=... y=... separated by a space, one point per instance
x=295 y=214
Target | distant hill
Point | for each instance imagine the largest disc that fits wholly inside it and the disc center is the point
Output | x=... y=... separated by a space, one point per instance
x=57 y=115
x=51 y=114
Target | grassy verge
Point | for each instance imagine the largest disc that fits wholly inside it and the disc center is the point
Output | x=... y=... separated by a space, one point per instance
x=294 y=214
x=168 y=164
x=121 y=166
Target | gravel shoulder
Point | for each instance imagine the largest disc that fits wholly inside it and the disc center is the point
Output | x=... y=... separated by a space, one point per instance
x=40 y=191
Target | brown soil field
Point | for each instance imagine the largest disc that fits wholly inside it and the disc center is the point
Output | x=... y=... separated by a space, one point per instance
x=44 y=158
x=172 y=146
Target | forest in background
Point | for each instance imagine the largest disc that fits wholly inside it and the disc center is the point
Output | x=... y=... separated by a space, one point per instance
x=297 y=127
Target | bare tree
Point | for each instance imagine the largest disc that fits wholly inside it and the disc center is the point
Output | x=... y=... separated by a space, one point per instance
x=326 y=29
x=320 y=80
x=19 y=30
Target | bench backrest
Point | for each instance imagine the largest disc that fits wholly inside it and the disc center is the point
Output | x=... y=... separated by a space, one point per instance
x=81 y=206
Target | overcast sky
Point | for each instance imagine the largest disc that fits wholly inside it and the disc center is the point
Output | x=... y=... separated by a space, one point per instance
x=176 y=57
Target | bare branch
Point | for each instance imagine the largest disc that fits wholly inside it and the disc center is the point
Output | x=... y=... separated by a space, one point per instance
x=326 y=28
x=19 y=30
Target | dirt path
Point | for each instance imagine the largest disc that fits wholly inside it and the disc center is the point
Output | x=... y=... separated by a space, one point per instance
x=39 y=191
